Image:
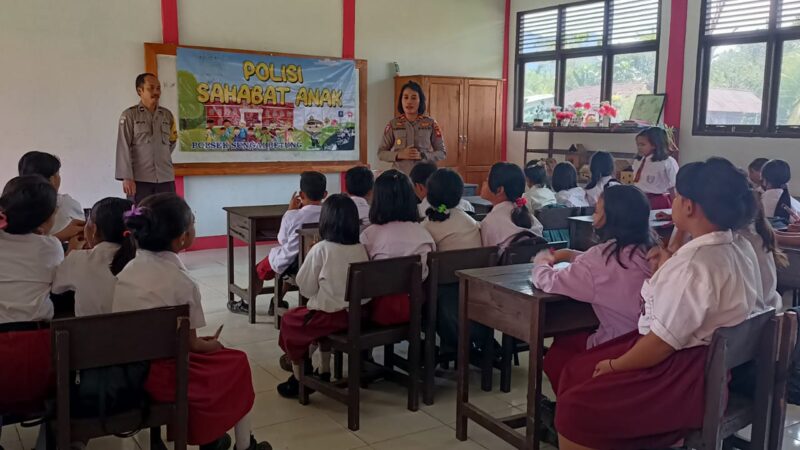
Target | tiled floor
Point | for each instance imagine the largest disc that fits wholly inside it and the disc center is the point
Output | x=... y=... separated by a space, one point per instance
x=385 y=421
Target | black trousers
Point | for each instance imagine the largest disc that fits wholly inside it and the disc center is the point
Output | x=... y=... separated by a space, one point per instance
x=144 y=190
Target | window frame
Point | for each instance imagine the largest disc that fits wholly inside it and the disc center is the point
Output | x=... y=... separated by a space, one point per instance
x=774 y=38
x=560 y=55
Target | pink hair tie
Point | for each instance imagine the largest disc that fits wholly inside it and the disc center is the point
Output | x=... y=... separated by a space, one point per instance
x=521 y=202
x=126 y=233
x=3 y=221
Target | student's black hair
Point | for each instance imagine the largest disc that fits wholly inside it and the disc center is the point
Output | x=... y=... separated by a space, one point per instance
x=338 y=221
x=141 y=78
x=393 y=199
x=512 y=179
x=445 y=188
x=421 y=172
x=314 y=185
x=767 y=233
x=358 y=181
x=108 y=216
x=564 y=176
x=776 y=175
x=536 y=174
x=757 y=164
x=601 y=165
x=627 y=212
x=728 y=202
x=158 y=220
x=27 y=202
x=658 y=139
x=39 y=163
x=416 y=88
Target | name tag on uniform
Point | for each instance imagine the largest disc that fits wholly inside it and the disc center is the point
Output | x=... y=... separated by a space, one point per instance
x=399 y=142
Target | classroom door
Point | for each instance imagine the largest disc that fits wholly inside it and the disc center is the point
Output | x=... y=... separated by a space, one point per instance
x=483 y=128
x=445 y=100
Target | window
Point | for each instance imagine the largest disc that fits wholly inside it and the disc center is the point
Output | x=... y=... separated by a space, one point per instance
x=587 y=52
x=748 y=58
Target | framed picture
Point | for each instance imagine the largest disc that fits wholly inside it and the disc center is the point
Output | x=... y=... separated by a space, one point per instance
x=648 y=108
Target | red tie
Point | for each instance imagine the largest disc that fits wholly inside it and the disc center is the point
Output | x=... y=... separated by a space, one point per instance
x=639 y=172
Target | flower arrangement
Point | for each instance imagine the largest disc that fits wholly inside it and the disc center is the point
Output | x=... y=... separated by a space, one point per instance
x=581 y=109
x=606 y=109
x=564 y=117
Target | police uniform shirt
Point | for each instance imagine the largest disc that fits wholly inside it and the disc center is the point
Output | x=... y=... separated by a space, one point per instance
x=423 y=134
x=144 y=145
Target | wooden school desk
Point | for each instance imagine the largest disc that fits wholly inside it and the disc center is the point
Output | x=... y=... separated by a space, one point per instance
x=503 y=298
x=251 y=224
x=581 y=232
x=789 y=277
x=481 y=206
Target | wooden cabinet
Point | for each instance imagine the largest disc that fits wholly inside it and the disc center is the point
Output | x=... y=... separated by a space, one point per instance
x=469 y=112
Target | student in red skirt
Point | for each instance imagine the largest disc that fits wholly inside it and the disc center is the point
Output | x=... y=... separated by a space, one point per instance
x=29 y=256
x=505 y=189
x=609 y=275
x=220 y=388
x=395 y=232
x=323 y=280
x=654 y=170
x=646 y=389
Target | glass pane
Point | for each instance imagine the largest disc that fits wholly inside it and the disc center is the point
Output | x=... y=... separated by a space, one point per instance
x=539 y=91
x=789 y=90
x=790 y=13
x=736 y=16
x=633 y=21
x=537 y=31
x=582 y=82
x=634 y=73
x=736 y=84
x=583 y=25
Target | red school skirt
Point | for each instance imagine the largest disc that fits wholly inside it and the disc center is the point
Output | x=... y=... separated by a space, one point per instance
x=220 y=391
x=649 y=408
x=391 y=309
x=300 y=327
x=564 y=348
x=659 y=201
x=25 y=374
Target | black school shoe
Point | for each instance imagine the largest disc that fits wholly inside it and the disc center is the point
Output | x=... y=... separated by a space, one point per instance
x=291 y=387
x=271 y=311
x=239 y=307
x=258 y=445
x=223 y=443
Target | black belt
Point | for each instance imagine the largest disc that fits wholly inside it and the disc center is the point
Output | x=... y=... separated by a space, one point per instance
x=23 y=326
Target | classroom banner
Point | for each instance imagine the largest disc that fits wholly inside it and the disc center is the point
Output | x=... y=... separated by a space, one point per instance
x=239 y=102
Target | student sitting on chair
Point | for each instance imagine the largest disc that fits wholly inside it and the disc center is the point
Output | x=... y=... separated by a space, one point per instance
x=358 y=182
x=565 y=184
x=538 y=194
x=505 y=189
x=419 y=175
x=602 y=168
x=304 y=208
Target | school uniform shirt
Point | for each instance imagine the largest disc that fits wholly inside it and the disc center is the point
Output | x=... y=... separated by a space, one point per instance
x=655 y=177
x=538 y=197
x=709 y=283
x=27 y=266
x=397 y=239
x=498 y=229
x=457 y=232
x=158 y=279
x=282 y=256
x=363 y=208
x=593 y=194
x=323 y=276
x=88 y=273
x=572 y=198
x=463 y=205
x=770 y=199
x=67 y=208
x=769 y=298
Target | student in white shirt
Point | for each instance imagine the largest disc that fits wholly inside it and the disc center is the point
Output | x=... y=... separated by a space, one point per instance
x=419 y=175
x=323 y=280
x=304 y=208
x=565 y=184
x=776 y=199
x=655 y=375
x=450 y=227
x=28 y=260
x=509 y=215
x=358 y=182
x=68 y=221
x=538 y=195
x=754 y=174
x=602 y=168
x=220 y=386
x=92 y=273
x=654 y=170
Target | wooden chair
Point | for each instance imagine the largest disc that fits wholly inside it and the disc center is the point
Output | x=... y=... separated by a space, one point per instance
x=309 y=235
x=786 y=352
x=754 y=340
x=555 y=222
x=369 y=280
x=113 y=339
x=442 y=267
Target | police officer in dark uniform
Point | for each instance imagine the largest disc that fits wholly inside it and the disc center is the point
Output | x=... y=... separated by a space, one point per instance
x=145 y=141
x=413 y=136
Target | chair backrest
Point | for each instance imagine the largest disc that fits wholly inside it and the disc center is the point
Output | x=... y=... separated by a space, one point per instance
x=556 y=218
x=443 y=265
x=524 y=246
x=383 y=277
x=309 y=235
x=587 y=211
x=755 y=339
x=788 y=343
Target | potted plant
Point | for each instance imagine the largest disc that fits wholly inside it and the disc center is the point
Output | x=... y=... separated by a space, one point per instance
x=538 y=116
x=554 y=110
x=606 y=112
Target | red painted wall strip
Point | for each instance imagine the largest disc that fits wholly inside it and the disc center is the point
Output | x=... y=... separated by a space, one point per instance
x=169 y=21
x=348 y=28
x=504 y=131
x=675 y=62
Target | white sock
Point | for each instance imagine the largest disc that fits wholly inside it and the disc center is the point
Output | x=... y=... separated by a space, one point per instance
x=242 y=431
x=325 y=362
x=296 y=370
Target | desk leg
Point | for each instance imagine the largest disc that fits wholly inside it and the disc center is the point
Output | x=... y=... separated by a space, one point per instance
x=230 y=260
x=534 y=419
x=252 y=279
x=462 y=392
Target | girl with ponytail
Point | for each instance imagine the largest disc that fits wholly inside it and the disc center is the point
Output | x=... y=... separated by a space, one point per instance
x=510 y=215
x=776 y=199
